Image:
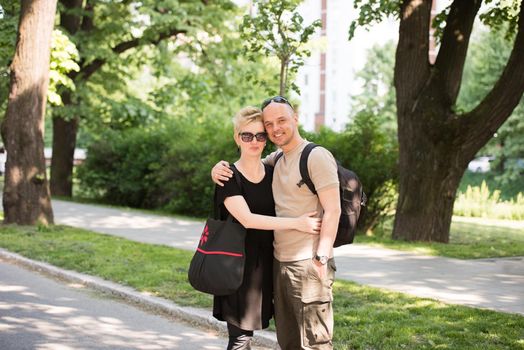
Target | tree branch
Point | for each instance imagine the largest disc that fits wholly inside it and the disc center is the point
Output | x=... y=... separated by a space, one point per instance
x=88 y=70
x=454 y=47
x=500 y=102
x=411 y=62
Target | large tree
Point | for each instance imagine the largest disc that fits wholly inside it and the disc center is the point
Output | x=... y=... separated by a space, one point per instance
x=436 y=142
x=26 y=197
x=109 y=32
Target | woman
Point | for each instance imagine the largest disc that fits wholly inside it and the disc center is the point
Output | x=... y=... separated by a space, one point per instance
x=251 y=307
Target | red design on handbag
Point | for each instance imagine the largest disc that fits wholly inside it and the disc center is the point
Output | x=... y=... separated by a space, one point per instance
x=205 y=234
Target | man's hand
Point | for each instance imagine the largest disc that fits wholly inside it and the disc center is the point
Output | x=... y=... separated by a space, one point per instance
x=221 y=173
x=320 y=269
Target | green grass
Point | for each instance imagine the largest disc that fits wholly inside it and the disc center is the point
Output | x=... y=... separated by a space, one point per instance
x=477 y=238
x=508 y=190
x=158 y=269
x=365 y=317
x=481 y=201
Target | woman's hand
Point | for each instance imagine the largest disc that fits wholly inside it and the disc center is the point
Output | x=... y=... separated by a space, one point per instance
x=308 y=223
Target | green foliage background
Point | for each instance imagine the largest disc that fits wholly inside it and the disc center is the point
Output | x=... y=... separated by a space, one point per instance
x=485 y=62
x=169 y=167
x=155 y=118
x=8 y=30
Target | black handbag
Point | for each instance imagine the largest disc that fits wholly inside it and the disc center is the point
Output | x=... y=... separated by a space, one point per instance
x=217 y=267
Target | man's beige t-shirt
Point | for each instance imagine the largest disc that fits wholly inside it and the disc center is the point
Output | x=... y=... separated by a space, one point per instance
x=292 y=200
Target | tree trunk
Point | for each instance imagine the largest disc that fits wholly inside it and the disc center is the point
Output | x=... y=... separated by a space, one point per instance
x=26 y=197
x=283 y=82
x=431 y=173
x=62 y=161
x=65 y=130
x=435 y=143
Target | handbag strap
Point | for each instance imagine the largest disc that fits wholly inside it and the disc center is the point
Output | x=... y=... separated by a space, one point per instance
x=217 y=212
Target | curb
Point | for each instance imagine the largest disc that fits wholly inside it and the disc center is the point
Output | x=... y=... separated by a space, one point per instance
x=195 y=316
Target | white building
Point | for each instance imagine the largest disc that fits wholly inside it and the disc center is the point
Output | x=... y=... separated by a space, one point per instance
x=327 y=80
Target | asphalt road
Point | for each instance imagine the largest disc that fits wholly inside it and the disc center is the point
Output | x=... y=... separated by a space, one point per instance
x=37 y=312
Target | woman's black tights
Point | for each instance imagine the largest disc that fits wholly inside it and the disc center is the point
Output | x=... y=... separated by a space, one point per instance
x=239 y=339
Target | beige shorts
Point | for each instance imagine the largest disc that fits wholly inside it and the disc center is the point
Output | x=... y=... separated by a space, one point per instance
x=303 y=305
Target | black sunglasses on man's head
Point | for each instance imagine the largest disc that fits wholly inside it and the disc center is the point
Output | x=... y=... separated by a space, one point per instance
x=277 y=99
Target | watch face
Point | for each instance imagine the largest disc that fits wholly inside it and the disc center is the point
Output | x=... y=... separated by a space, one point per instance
x=322 y=259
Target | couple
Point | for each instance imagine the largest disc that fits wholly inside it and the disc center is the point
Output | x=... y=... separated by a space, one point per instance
x=293 y=267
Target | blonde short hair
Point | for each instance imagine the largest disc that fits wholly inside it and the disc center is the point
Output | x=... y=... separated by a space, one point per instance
x=245 y=116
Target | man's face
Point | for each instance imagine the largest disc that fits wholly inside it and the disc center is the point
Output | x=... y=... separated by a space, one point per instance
x=280 y=122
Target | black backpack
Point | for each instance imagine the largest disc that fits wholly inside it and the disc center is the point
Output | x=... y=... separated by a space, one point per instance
x=352 y=197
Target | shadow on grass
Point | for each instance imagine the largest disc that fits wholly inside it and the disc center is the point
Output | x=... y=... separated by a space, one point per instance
x=370 y=318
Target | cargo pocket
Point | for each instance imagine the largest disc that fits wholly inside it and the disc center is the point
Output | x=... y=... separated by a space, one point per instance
x=317 y=312
x=318 y=323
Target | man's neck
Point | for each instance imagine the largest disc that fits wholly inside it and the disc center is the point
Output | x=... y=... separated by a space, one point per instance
x=292 y=145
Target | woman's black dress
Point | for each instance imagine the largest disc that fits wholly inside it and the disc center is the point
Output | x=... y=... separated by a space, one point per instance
x=251 y=307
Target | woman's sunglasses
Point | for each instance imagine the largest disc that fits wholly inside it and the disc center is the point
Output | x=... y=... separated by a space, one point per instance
x=277 y=99
x=248 y=137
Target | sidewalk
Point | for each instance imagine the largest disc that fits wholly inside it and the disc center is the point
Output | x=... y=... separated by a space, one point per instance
x=496 y=284
x=189 y=315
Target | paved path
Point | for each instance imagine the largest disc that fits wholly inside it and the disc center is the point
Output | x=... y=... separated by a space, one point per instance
x=38 y=312
x=489 y=283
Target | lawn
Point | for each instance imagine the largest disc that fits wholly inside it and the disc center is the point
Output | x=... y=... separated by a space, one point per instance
x=470 y=238
x=365 y=317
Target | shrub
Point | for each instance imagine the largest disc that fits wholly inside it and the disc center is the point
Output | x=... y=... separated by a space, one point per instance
x=187 y=163
x=166 y=168
x=170 y=167
x=120 y=167
x=478 y=201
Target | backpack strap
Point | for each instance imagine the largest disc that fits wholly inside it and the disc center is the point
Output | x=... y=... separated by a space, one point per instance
x=304 y=173
x=277 y=157
x=236 y=173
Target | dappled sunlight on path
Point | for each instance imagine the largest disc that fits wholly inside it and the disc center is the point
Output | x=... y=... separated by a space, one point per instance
x=490 y=283
x=39 y=313
x=129 y=224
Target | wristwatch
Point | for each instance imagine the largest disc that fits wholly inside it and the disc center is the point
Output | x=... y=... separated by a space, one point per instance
x=322 y=259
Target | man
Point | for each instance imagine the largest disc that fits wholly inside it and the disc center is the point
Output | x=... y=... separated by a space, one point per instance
x=304 y=267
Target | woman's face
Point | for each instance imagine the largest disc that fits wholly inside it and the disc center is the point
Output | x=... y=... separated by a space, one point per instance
x=251 y=138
